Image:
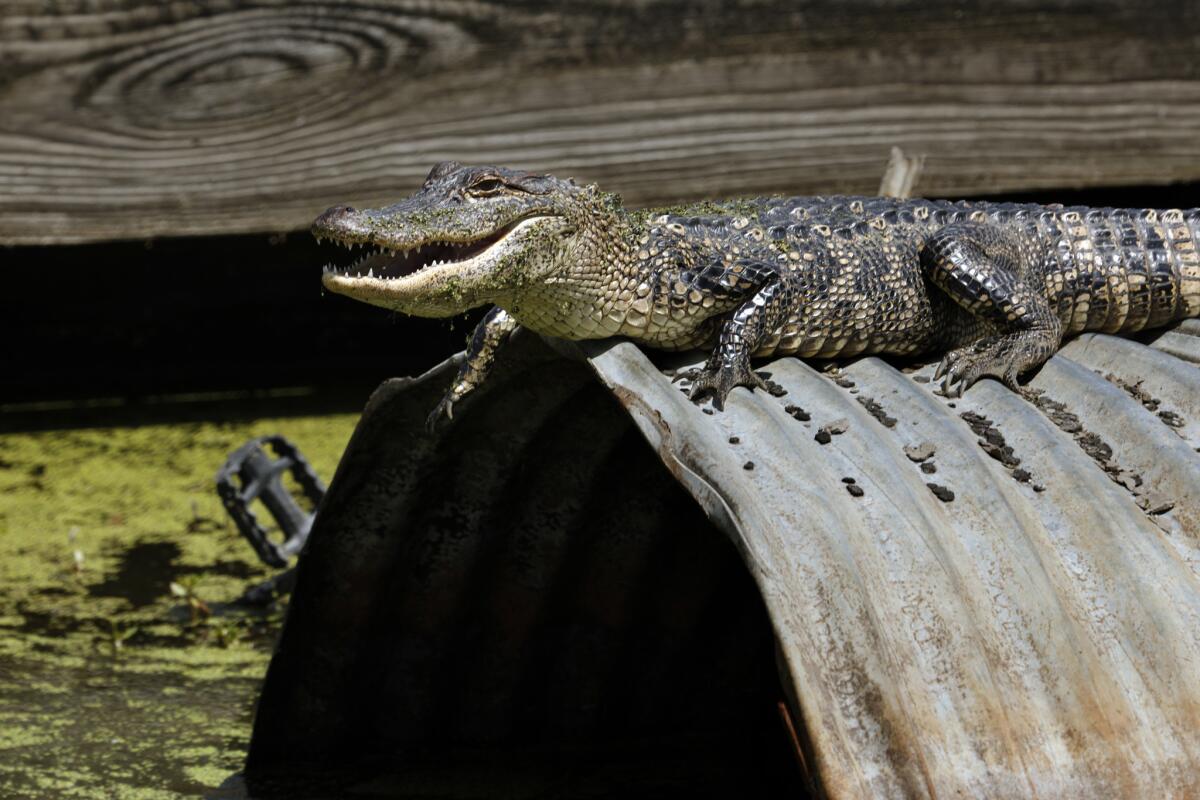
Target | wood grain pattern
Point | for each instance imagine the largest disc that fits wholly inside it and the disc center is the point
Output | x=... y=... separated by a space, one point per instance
x=131 y=118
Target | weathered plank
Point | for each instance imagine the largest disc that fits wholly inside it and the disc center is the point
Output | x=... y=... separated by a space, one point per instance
x=130 y=118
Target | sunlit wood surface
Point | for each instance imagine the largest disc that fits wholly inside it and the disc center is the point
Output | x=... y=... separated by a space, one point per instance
x=139 y=118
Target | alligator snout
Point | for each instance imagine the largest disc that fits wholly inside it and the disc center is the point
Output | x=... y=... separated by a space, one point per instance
x=340 y=222
x=333 y=215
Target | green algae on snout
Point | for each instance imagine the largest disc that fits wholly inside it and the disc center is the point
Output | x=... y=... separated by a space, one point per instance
x=168 y=712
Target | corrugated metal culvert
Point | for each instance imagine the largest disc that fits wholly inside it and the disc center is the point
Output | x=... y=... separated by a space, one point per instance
x=993 y=596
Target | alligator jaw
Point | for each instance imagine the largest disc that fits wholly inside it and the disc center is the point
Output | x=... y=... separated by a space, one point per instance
x=384 y=263
x=420 y=279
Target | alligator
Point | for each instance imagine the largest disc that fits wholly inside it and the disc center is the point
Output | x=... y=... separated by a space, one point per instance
x=995 y=287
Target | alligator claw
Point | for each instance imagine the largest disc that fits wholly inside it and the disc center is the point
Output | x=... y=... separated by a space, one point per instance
x=1003 y=357
x=688 y=375
x=941 y=368
x=718 y=382
x=442 y=413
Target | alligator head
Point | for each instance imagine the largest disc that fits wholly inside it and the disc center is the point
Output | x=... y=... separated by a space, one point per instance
x=469 y=236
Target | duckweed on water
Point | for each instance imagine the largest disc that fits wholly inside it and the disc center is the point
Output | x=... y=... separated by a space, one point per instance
x=109 y=687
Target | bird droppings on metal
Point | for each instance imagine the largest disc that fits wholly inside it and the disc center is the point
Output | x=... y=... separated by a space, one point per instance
x=1057 y=412
x=992 y=442
x=773 y=388
x=1037 y=636
x=875 y=409
x=919 y=452
x=1151 y=501
x=1151 y=403
x=798 y=413
x=941 y=492
x=837 y=427
x=1156 y=503
x=1171 y=419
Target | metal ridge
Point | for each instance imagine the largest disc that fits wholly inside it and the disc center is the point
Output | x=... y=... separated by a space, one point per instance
x=1029 y=625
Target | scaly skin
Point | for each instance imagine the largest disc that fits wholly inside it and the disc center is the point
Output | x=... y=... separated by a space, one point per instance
x=994 y=286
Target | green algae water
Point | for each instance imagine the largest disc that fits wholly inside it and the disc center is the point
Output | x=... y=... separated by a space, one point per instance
x=112 y=684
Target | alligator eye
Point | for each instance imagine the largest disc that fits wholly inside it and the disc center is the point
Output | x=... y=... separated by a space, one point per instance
x=486 y=186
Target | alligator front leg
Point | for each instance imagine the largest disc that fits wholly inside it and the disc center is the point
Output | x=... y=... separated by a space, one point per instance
x=1014 y=329
x=490 y=334
x=742 y=333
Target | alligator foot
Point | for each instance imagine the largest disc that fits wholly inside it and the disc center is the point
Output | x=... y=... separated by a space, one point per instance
x=1002 y=356
x=443 y=412
x=490 y=334
x=717 y=382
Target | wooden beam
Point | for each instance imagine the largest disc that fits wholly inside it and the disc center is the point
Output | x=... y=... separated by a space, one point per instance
x=132 y=118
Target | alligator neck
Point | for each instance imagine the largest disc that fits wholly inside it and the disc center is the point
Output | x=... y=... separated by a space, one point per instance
x=577 y=300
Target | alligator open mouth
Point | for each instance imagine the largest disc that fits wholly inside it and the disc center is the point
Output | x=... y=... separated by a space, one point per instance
x=385 y=263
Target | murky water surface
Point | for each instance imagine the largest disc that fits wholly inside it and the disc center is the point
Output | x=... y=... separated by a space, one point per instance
x=112 y=685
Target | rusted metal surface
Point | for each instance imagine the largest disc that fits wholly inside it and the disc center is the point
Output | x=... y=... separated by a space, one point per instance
x=1036 y=635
